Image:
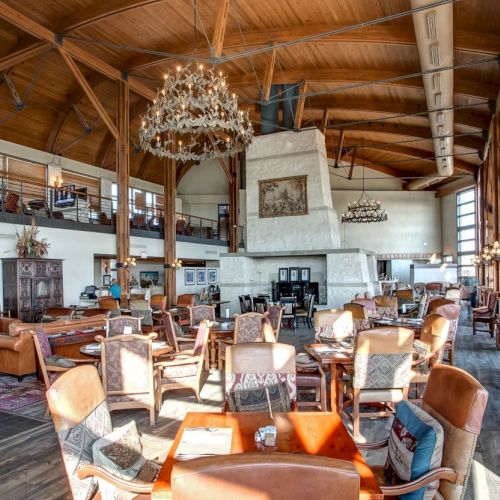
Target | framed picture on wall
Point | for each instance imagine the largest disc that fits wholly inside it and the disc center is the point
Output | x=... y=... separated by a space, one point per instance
x=305 y=274
x=283 y=274
x=189 y=277
x=294 y=273
x=106 y=279
x=201 y=276
x=212 y=276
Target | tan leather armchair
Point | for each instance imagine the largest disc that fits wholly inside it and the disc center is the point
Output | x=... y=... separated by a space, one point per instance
x=264 y=475
x=17 y=352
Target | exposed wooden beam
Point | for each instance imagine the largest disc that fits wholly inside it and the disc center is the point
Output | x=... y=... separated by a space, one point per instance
x=89 y=93
x=268 y=75
x=457 y=185
x=22 y=55
x=324 y=120
x=339 y=150
x=373 y=165
x=299 y=110
x=351 y=168
x=220 y=27
x=233 y=204
x=225 y=169
x=170 y=234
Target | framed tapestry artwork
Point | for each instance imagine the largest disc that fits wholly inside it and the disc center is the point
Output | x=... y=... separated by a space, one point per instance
x=283 y=274
x=212 y=276
x=201 y=276
x=188 y=276
x=305 y=274
x=283 y=197
x=294 y=273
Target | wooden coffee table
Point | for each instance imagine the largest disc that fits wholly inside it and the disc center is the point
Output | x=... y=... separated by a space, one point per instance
x=311 y=433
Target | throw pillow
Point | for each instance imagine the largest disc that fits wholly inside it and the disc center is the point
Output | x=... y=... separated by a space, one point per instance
x=248 y=400
x=61 y=361
x=420 y=351
x=415 y=447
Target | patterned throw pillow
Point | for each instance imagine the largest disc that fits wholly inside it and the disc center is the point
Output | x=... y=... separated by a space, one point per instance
x=61 y=361
x=415 y=447
x=420 y=351
x=247 y=400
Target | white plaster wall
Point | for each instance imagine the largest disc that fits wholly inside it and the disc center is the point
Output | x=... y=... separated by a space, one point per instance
x=374 y=181
x=449 y=225
x=413 y=225
x=288 y=154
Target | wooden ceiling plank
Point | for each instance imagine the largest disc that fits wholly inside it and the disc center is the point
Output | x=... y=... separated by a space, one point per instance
x=268 y=75
x=144 y=165
x=90 y=93
x=299 y=110
x=220 y=27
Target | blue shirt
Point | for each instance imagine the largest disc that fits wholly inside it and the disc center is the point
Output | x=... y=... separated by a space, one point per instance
x=116 y=290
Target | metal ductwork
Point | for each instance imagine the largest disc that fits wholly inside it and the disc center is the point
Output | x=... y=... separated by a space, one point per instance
x=434 y=34
x=290 y=94
x=269 y=112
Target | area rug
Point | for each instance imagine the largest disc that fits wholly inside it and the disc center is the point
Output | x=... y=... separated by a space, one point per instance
x=15 y=394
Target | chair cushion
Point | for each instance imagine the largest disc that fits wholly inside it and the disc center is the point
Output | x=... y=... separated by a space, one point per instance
x=257 y=399
x=180 y=371
x=333 y=331
x=61 y=361
x=415 y=447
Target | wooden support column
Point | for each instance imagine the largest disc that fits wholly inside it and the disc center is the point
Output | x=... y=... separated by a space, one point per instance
x=220 y=27
x=169 y=239
x=234 y=204
x=122 y=175
x=496 y=193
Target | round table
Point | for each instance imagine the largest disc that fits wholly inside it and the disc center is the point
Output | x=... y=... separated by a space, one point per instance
x=160 y=347
x=219 y=330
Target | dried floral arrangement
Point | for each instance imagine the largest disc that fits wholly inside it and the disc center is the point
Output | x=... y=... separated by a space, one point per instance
x=28 y=245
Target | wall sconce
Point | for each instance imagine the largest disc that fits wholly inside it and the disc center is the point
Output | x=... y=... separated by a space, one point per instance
x=130 y=262
x=176 y=264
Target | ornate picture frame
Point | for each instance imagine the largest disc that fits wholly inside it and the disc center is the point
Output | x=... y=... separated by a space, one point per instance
x=282 y=197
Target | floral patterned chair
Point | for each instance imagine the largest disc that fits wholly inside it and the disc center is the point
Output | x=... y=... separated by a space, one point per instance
x=197 y=314
x=257 y=365
x=275 y=313
x=185 y=369
x=171 y=334
x=117 y=325
x=127 y=372
x=387 y=307
x=247 y=328
x=333 y=324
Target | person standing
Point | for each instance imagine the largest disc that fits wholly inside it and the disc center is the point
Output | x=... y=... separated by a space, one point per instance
x=115 y=290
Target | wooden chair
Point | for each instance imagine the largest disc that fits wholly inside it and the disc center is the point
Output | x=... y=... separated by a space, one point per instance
x=118 y=324
x=142 y=309
x=127 y=372
x=381 y=375
x=454 y=294
x=331 y=324
x=387 y=307
x=274 y=313
x=57 y=313
x=260 y=364
x=457 y=401
x=80 y=414
x=360 y=318
x=158 y=302
x=486 y=314
x=245 y=476
x=260 y=304
x=95 y=311
x=110 y=304
x=404 y=296
x=308 y=313
x=185 y=300
x=178 y=343
x=452 y=313
x=289 y=311
x=247 y=328
x=200 y=313
x=184 y=370
x=434 y=288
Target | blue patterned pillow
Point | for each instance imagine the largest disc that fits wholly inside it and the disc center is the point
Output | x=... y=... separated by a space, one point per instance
x=415 y=447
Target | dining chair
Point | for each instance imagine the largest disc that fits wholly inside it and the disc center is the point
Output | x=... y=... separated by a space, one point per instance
x=311 y=377
x=454 y=293
x=331 y=324
x=307 y=314
x=275 y=313
x=158 y=302
x=404 y=296
x=452 y=313
x=381 y=373
x=260 y=304
x=252 y=367
x=434 y=288
x=81 y=417
x=289 y=311
x=387 y=307
x=142 y=309
x=185 y=369
x=116 y=325
x=57 y=313
x=243 y=306
x=95 y=311
x=457 y=401
x=255 y=476
x=127 y=372
x=202 y=312
x=171 y=334
x=110 y=304
x=486 y=314
x=360 y=318
x=185 y=300
x=247 y=328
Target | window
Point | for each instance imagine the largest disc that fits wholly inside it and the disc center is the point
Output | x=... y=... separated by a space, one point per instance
x=466 y=232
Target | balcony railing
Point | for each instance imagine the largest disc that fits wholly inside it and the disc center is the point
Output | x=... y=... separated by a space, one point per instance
x=75 y=207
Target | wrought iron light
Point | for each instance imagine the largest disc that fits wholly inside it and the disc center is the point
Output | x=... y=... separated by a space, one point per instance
x=195 y=118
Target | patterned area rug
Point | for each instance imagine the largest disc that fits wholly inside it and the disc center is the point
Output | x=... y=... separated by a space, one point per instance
x=15 y=395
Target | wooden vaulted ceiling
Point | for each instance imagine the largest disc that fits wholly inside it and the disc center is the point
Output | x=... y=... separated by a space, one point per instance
x=59 y=118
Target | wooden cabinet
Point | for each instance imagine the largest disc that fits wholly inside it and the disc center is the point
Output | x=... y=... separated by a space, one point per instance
x=32 y=285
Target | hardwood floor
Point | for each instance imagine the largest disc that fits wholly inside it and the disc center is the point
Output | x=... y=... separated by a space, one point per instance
x=31 y=466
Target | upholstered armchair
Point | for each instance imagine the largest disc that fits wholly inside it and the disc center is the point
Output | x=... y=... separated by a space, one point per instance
x=457 y=401
x=486 y=314
x=185 y=300
x=360 y=317
x=178 y=343
x=95 y=311
x=387 y=306
x=243 y=476
x=370 y=306
x=158 y=302
x=274 y=313
x=184 y=370
x=247 y=328
x=200 y=313
x=118 y=324
x=81 y=416
x=452 y=313
x=127 y=372
x=110 y=304
x=17 y=352
x=142 y=309
x=454 y=294
x=331 y=324
x=381 y=373
x=257 y=365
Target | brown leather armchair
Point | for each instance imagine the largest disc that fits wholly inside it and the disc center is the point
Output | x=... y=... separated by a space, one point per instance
x=264 y=475
x=17 y=352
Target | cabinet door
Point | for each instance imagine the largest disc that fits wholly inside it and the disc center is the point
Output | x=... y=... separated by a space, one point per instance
x=24 y=292
x=26 y=268
x=54 y=268
x=57 y=299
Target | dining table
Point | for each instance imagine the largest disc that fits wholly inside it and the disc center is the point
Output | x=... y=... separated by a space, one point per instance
x=333 y=355
x=221 y=329
x=160 y=348
x=310 y=433
x=414 y=324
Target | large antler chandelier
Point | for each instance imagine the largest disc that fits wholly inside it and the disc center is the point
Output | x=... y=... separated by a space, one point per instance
x=194 y=118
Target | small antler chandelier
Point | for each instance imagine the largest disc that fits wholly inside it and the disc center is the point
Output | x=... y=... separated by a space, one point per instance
x=194 y=118
x=489 y=254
